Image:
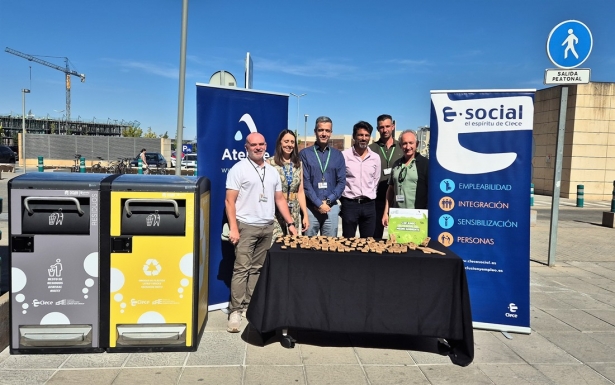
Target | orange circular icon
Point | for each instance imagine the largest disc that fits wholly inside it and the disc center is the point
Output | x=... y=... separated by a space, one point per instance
x=447 y=203
x=446 y=239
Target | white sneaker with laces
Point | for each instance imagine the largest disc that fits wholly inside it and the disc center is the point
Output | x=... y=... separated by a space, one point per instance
x=234 y=322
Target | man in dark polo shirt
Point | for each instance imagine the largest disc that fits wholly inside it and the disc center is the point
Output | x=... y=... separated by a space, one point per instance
x=389 y=151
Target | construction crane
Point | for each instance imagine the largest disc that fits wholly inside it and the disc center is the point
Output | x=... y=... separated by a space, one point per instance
x=66 y=71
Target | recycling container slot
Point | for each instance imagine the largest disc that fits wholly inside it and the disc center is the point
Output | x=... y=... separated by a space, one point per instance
x=151 y=334
x=55 y=335
x=56 y=215
x=153 y=217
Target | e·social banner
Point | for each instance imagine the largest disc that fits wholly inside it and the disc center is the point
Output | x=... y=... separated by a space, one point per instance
x=479 y=201
x=224 y=117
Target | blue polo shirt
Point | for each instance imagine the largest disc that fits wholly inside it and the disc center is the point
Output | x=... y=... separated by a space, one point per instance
x=335 y=174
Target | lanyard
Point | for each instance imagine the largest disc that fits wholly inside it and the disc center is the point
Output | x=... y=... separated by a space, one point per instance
x=402 y=173
x=289 y=177
x=320 y=163
x=390 y=155
x=262 y=178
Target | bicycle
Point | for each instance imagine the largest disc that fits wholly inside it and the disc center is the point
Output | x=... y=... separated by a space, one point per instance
x=98 y=167
x=77 y=166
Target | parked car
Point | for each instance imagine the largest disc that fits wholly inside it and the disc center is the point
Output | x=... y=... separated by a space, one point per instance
x=7 y=155
x=173 y=161
x=16 y=151
x=154 y=159
x=189 y=161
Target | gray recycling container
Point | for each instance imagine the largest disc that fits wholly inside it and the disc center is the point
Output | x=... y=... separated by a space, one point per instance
x=54 y=247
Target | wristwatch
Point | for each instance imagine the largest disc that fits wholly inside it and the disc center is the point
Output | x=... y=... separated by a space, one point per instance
x=328 y=202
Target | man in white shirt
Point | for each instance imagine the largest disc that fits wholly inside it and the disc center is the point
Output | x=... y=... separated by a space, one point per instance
x=253 y=190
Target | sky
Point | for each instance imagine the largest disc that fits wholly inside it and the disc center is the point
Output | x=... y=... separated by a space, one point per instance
x=354 y=60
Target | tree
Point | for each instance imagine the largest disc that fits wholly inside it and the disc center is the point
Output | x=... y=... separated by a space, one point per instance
x=150 y=134
x=165 y=135
x=132 y=132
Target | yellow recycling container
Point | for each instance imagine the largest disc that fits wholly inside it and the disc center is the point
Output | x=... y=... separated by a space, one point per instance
x=158 y=265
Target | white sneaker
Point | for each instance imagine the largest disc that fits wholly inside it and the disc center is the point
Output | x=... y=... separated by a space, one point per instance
x=234 y=322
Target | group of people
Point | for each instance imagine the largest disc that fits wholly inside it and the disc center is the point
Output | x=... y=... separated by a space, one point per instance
x=267 y=198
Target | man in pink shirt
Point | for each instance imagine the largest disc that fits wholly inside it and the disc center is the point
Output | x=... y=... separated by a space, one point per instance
x=362 y=176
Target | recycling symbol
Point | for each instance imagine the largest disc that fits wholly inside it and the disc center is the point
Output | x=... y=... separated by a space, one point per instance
x=152 y=267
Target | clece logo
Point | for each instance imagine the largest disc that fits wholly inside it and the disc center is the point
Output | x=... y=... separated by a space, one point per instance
x=135 y=302
x=456 y=117
x=233 y=154
x=37 y=303
x=512 y=308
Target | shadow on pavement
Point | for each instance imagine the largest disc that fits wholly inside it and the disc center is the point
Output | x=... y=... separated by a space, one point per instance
x=358 y=340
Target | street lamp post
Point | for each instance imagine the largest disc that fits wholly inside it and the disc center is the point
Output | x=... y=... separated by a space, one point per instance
x=298 y=97
x=24 y=91
x=305 y=131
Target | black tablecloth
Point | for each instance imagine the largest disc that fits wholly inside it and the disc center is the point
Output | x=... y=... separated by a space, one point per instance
x=413 y=294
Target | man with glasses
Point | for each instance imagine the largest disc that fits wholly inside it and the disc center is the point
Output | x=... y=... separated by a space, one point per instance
x=253 y=190
x=388 y=150
x=409 y=176
x=324 y=178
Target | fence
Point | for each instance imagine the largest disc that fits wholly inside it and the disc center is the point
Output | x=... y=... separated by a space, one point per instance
x=61 y=149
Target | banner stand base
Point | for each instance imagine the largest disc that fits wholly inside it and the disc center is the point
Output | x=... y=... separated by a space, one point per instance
x=502 y=328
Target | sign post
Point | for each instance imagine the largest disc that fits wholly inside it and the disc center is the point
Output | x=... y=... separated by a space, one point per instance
x=568 y=46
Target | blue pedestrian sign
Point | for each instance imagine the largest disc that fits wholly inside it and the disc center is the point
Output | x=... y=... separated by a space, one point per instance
x=569 y=44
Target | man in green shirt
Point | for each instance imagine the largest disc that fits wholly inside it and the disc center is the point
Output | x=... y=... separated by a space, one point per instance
x=409 y=178
x=386 y=147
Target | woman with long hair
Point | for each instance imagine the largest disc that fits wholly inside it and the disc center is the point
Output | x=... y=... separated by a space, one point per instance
x=286 y=161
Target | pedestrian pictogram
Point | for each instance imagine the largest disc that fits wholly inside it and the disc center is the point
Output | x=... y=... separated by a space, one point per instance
x=569 y=44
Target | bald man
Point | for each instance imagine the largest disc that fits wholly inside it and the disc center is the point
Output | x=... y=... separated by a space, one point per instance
x=253 y=190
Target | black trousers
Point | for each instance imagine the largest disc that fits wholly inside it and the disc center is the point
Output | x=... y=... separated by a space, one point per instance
x=358 y=214
x=381 y=196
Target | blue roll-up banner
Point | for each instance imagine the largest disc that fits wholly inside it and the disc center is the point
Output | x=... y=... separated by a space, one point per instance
x=224 y=117
x=479 y=201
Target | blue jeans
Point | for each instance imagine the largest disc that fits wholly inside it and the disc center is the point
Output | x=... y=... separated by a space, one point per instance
x=326 y=224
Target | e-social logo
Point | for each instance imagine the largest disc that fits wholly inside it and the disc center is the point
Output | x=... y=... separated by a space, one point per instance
x=469 y=116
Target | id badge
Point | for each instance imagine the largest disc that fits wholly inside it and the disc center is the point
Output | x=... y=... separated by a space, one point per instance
x=262 y=198
x=399 y=198
x=322 y=185
x=386 y=171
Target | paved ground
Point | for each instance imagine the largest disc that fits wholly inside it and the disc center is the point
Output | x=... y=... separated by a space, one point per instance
x=572 y=339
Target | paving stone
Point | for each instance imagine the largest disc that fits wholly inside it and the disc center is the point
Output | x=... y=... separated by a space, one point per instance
x=14 y=377
x=546 y=301
x=582 y=346
x=606 y=369
x=581 y=320
x=227 y=375
x=335 y=375
x=572 y=375
x=319 y=355
x=274 y=375
x=582 y=301
x=535 y=349
x=395 y=375
x=542 y=321
x=103 y=360
x=604 y=315
x=489 y=349
x=38 y=361
x=272 y=354
x=507 y=374
x=219 y=348
x=156 y=359
x=80 y=377
x=369 y=356
x=454 y=375
x=154 y=375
